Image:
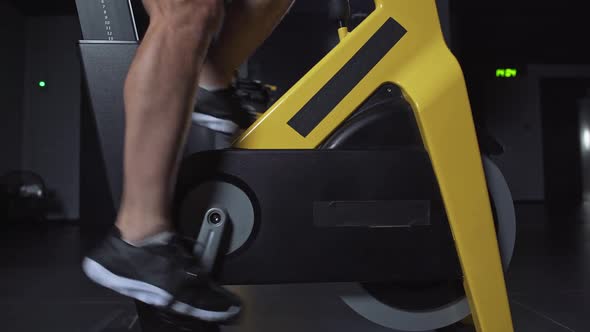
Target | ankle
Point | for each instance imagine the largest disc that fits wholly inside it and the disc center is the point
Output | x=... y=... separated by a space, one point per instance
x=213 y=79
x=138 y=229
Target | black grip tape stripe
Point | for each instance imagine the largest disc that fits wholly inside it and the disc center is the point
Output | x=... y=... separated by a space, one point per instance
x=320 y=105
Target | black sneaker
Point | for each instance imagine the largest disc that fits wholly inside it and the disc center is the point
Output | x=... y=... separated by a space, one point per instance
x=162 y=275
x=255 y=96
x=221 y=111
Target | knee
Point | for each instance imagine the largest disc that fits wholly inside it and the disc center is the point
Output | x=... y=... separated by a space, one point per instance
x=187 y=13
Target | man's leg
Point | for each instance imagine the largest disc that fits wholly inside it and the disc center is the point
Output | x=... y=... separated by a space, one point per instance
x=247 y=24
x=140 y=258
x=159 y=96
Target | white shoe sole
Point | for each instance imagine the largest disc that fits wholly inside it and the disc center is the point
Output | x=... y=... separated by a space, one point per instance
x=227 y=127
x=150 y=294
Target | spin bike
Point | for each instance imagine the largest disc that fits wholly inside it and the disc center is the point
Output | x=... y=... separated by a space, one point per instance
x=366 y=171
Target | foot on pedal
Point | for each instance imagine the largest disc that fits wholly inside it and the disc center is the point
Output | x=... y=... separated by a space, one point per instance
x=221 y=111
x=162 y=274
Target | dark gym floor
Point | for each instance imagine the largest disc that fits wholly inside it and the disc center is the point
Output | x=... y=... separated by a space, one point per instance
x=43 y=289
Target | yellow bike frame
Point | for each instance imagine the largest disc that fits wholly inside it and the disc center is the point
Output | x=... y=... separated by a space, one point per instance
x=401 y=43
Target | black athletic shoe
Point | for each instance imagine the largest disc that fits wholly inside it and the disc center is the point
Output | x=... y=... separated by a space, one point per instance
x=221 y=111
x=255 y=96
x=160 y=274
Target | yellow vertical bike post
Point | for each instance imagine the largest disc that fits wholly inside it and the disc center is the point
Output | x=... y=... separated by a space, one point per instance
x=401 y=42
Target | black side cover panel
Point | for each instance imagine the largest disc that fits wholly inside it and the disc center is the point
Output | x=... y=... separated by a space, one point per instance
x=299 y=197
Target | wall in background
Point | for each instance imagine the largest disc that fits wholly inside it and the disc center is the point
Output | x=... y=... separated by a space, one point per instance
x=51 y=127
x=584 y=114
x=499 y=34
x=505 y=32
x=561 y=126
x=507 y=110
x=535 y=118
x=12 y=30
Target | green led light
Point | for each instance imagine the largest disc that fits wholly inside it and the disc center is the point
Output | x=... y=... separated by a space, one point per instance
x=506 y=72
x=42 y=84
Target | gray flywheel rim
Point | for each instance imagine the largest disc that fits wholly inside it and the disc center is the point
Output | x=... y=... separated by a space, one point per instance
x=358 y=299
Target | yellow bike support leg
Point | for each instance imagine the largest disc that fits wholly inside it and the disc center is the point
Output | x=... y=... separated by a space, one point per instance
x=456 y=160
x=432 y=81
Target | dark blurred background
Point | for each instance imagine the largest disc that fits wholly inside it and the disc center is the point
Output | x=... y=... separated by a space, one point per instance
x=540 y=117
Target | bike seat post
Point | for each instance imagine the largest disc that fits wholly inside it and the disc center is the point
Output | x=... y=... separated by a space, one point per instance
x=340 y=11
